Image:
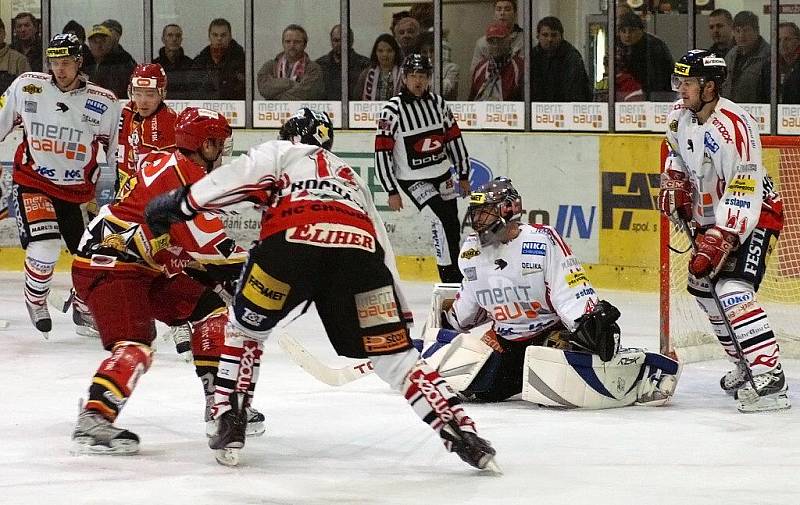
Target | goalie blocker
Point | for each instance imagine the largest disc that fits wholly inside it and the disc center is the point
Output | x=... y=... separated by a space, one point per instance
x=558 y=373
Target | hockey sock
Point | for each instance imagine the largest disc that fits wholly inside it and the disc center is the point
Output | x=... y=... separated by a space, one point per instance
x=116 y=378
x=40 y=261
x=238 y=369
x=434 y=402
x=208 y=339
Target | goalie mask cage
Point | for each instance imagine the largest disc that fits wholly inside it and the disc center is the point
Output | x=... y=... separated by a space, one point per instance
x=685 y=330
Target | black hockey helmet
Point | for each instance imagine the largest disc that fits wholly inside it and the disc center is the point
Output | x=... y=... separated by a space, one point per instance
x=704 y=65
x=63 y=45
x=310 y=127
x=416 y=62
x=492 y=207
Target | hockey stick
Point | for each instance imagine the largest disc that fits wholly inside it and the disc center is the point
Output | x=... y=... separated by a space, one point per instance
x=713 y=283
x=319 y=370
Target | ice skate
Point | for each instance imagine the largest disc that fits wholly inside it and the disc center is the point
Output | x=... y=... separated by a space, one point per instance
x=40 y=317
x=734 y=379
x=231 y=431
x=84 y=322
x=182 y=336
x=94 y=434
x=770 y=393
x=255 y=424
x=471 y=448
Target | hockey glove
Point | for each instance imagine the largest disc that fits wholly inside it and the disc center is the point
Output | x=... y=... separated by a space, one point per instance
x=713 y=248
x=675 y=197
x=166 y=209
x=597 y=331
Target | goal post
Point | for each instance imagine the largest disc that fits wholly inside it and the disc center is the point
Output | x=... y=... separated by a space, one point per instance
x=684 y=328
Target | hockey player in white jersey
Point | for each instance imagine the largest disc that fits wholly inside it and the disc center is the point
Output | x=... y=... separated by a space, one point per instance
x=714 y=181
x=322 y=241
x=66 y=121
x=550 y=337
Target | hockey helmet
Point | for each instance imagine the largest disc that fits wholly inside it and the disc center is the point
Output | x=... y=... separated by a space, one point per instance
x=704 y=65
x=310 y=127
x=63 y=45
x=416 y=62
x=195 y=125
x=492 y=207
x=149 y=75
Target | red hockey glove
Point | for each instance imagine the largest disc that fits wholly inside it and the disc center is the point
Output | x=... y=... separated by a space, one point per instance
x=712 y=249
x=675 y=197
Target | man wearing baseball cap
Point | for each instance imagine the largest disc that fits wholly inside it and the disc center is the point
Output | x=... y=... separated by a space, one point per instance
x=110 y=69
x=498 y=76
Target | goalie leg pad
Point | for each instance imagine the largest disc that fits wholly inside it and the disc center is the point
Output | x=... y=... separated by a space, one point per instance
x=457 y=357
x=572 y=379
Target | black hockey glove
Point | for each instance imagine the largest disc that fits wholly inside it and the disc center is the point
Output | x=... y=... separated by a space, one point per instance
x=166 y=209
x=598 y=332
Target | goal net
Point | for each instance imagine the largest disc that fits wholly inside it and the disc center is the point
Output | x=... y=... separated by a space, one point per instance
x=685 y=330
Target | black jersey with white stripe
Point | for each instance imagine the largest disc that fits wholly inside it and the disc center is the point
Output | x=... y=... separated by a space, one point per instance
x=418 y=138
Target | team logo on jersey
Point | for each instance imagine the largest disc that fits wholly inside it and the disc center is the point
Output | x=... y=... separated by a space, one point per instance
x=501 y=264
x=376 y=307
x=61 y=106
x=31 y=106
x=534 y=248
x=673 y=126
x=470 y=253
x=575 y=278
x=425 y=149
x=96 y=106
x=32 y=89
x=471 y=273
x=85 y=118
x=743 y=185
x=690 y=145
x=710 y=143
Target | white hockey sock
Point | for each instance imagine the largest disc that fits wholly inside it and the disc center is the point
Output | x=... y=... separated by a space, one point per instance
x=238 y=368
x=40 y=261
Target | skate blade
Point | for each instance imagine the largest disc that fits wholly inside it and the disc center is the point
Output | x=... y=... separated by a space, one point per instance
x=46 y=335
x=765 y=404
x=255 y=429
x=227 y=457
x=85 y=331
x=118 y=448
x=491 y=466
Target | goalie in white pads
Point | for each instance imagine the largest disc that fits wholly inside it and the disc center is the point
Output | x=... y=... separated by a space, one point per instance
x=550 y=337
x=714 y=181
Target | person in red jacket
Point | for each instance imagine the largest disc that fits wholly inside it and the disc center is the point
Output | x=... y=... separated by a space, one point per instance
x=130 y=277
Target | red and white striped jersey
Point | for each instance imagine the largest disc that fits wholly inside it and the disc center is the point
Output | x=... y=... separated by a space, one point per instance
x=528 y=286
x=722 y=158
x=63 y=134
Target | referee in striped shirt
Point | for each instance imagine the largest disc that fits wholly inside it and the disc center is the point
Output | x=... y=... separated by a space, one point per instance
x=417 y=141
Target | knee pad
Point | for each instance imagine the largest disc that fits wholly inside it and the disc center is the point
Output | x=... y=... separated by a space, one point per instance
x=44 y=251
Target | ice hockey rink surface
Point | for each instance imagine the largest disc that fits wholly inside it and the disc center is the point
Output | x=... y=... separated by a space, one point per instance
x=361 y=444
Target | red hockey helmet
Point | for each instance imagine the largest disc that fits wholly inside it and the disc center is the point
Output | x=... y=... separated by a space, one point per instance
x=149 y=75
x=196 y=125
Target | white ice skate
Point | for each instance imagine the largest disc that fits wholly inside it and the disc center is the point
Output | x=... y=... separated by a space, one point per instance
x=40 y=317
x=770 y=393
x=94 y=434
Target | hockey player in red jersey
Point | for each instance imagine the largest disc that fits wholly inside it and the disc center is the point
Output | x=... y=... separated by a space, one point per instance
x=129 y=276
x=148 y=124
x=322 y=241
x=66 y=121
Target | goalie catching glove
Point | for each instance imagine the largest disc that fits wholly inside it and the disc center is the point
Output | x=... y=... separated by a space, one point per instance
x=675 y=197
x=597 y=331
x=713 y=248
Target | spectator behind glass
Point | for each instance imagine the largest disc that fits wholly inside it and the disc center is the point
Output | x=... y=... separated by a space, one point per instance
x=12 y=63
x=423 y=12
x=26 y=39
x=406 y=32
x=788 y=49
x=77 y=29
x=116 y=35
x=791 y=87
x=450 y=70
x=557 y=70
x=382 y=80
x=720 y=26
x=109 y=69
x=505 y=11
x=748 y=63
x=498 y=76
x=220 y=65
x=646 y=57
x=175 y=63
x=291 y=75
x=331 y=65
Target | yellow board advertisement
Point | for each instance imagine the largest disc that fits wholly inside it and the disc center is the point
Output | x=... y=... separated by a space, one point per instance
x=630 y=168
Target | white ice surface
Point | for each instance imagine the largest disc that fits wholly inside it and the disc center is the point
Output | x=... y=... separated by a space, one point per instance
x=361 y=444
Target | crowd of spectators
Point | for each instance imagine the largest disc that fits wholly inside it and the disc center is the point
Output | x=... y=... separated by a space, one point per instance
x=558 y=73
